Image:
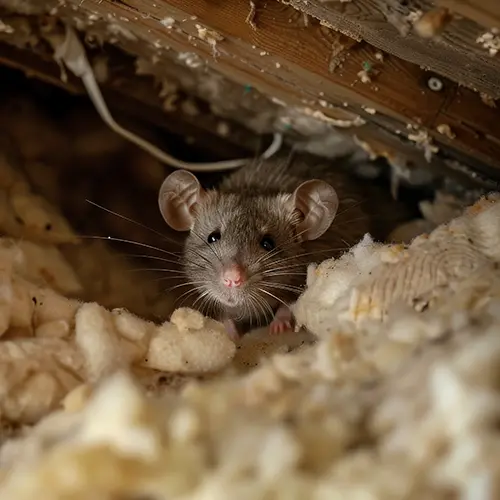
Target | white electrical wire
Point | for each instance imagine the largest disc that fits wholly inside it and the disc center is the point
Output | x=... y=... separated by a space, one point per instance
x=72 y=53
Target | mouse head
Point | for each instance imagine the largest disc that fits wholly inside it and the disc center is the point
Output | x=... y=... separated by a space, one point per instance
x=246 y=250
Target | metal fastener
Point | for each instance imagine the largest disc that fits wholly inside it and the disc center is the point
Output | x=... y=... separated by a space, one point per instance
x=435 y=84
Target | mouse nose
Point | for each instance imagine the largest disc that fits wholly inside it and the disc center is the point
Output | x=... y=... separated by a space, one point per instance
x=233 y=276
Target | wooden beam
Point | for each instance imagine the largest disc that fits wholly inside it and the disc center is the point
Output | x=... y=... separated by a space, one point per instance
x=387 y=25
x=302 y=62
x=284 y=53
x=484 y=12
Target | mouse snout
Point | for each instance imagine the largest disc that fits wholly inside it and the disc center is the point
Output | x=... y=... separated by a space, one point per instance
x=233 y=276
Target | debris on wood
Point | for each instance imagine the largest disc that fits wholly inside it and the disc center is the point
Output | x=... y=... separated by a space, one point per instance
x=403 y=23
x=432 y=23
x=223 y=129
x=209 y=36
x=422 y=138
x=306 y=19
x=414 y=16
x=6 y=28
x=250 y=19
x=119 y=31
x=446 y=130
x=191 y=59
x=488 y=100
x=340 y=51
x=490 y=41
x=168 y=22
x=316 y=113
x=365 y=75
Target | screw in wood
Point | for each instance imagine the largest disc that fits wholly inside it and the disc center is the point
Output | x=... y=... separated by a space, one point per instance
x=435 y=84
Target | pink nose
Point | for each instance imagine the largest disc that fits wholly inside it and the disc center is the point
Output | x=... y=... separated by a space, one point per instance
x=233 y=276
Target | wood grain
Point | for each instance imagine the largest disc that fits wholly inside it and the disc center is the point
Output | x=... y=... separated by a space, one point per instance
x=454 y=54
x=296 y=61
x=484 y=12
x=283 y=56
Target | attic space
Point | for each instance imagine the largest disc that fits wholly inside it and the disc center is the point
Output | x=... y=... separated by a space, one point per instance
x=371 y=369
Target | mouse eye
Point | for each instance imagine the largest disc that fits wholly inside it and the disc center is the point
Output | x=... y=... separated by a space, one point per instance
x=213 y=237
x=267 y=243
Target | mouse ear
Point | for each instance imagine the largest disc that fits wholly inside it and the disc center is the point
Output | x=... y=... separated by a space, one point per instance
x=177 y=198
x=318 y=202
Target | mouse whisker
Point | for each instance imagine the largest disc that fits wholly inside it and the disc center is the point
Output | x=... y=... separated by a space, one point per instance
x=270 y=273
x=270 y=255
x=164 y=278
x=168 y=261
x=278 y=262
x=354 y=205
x=154 y=257
x=297 y=235
x=257 y=310
x=116 y=214
x=131 y=242
x=202 y=295
x=197 y=254
x=331 y=251
x=282 y=248
x=212 y=249
x=147 y=256
x=350 y=221
x=205 y=303
x=305 y=254
x=250 y=309
x=258 y=306
x=265 y=307
x=212 y=304
x=273 y=296
x=188 y=283
x=243 y=314
x=285 y=270
x=283 y=286
x=199 y=298
x=267 y=257
x=279 y=267
x=186 y=295
x=151 y=269
x=276 y=251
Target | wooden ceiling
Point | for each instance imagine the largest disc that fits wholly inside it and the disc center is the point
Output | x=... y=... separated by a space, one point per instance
x=413 y=80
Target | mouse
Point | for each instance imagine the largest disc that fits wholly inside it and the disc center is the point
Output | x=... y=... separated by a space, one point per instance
x=250 y=239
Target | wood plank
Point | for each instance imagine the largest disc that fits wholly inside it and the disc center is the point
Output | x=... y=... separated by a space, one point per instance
x=454 y=54
x=297 y=58
x=237 y=102
x=282 y=56
x=484 y=12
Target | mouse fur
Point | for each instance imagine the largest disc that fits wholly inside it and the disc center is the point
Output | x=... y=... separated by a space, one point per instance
x=253 y=203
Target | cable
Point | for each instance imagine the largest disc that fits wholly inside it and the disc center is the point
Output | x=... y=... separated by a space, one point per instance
x=72 y=53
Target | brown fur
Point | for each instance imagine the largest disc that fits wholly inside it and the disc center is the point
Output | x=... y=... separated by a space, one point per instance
x=250 y=204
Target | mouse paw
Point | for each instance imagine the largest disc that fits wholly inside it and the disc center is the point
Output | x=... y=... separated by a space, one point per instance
x=282 y=321
x=279 y=326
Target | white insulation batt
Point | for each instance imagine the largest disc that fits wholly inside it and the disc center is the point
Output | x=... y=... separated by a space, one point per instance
x=399 y=398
